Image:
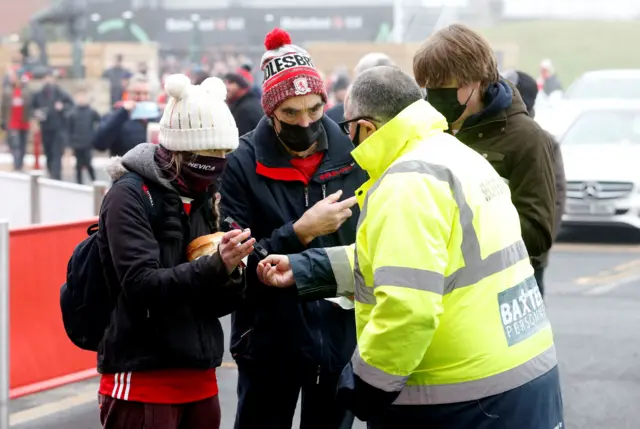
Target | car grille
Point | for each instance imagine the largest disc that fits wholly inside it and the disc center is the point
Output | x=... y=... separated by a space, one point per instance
x=598 y=190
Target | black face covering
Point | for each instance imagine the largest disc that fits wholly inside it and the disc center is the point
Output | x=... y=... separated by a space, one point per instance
x=445 y=101
x=298 y=138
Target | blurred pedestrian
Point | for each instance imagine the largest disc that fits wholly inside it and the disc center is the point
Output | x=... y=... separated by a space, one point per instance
x=255 y=87
x=117 y=76
x=284 y=182
x=83 y=121
x=15 y=115
x=548 y=77
x=244 y=104
x=528 y=89
x=339 y=89
x=371 y=60
x=124 y=93
x=151 y=76
x=125 y=128
x=159 y=354
x=458 y=68
x=200 y=76
x=50 y=107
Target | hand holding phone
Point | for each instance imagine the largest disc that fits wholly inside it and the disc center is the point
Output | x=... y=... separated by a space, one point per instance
x=260 y=251
x=235 y=245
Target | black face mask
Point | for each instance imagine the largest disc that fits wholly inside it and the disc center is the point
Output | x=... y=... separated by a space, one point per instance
x=297 y=138
x=445 y=101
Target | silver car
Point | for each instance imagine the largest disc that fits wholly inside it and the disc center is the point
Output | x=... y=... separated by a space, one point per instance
x=557 y=112
x=601 y=151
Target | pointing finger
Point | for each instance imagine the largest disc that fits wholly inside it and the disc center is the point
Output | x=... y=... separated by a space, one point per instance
x=349 y=202
x=334 y=197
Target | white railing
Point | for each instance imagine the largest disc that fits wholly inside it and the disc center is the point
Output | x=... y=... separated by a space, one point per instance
x=27 y=199
x=15 y=198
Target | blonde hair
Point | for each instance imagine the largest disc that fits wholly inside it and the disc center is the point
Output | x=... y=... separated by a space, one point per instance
x=174 y=162
x=455 y=52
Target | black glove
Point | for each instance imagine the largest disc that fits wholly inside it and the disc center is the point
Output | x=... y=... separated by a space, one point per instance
x=364 y=400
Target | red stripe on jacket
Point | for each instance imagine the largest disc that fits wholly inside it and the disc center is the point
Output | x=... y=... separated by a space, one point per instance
x=174 y=386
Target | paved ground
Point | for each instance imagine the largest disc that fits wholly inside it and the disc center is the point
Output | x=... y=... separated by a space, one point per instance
x=593 y=301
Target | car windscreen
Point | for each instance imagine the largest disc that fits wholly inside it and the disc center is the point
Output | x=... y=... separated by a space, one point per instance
x=604 y=126
x=604 y=87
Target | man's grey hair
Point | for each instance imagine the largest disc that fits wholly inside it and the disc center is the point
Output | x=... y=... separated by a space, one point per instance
x=382 y=93
x=373 y=59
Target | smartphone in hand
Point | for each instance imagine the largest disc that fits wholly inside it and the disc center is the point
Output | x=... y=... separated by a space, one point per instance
x=260 y=251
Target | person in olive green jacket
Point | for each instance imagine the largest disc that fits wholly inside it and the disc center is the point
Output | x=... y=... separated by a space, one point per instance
x=459 y=70
x=528 y=89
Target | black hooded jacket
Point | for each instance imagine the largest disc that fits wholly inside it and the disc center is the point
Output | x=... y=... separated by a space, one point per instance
x=247 y=112
x=263 y=192
x=166 y=309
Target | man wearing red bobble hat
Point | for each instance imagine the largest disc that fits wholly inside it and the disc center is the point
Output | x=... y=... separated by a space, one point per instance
x=292 y=182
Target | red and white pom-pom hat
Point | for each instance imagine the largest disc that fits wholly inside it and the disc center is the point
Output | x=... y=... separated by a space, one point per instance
x=288 y=72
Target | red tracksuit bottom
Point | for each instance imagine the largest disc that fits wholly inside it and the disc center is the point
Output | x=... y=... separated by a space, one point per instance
x=119 y=414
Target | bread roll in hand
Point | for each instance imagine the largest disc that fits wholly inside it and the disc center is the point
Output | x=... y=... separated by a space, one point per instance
x=204 y=246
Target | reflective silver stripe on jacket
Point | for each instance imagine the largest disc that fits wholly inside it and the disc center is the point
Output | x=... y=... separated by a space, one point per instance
x=376 y=377
x=476 y=268
x=413 y=278
x=342 y=270
x=476 y=389
x=362 y=293
x=458 y=392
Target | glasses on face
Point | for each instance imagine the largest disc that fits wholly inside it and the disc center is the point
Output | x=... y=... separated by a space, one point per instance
x=344 y=125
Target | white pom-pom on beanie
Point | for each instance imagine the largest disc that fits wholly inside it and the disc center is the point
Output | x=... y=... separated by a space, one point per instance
x=197 y=117
x=177 y=86
x=215 y=87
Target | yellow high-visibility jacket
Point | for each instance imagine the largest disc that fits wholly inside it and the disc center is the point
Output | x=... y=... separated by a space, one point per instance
x=447 y=308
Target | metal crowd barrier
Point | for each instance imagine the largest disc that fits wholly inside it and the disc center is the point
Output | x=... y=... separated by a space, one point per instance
x=4 y=324
x=29 y=199
x=31 y=329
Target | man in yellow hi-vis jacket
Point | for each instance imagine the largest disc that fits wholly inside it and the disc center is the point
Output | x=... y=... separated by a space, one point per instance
x=452 y=330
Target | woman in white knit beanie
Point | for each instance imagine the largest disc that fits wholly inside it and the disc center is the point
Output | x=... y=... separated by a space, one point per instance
x=159 y=352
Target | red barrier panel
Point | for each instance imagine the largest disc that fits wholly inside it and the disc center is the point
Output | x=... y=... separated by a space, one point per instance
x=42 y=356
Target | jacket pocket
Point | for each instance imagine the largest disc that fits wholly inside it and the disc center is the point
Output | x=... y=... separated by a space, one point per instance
x=492 y=156
x=497 y=161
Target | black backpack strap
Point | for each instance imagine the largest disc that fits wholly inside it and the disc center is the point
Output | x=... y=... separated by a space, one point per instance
x=153 y=198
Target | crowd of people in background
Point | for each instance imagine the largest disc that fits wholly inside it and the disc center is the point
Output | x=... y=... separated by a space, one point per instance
x=137 y=98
